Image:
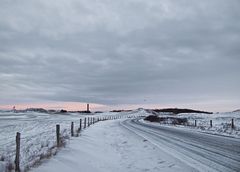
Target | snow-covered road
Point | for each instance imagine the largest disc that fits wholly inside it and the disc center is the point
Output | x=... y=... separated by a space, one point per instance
x=132 y=146
x=108 y=146
x=203 y=152
x=115 y=145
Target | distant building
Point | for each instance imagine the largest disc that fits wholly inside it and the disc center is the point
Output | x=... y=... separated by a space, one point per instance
x=88 y=108
x=14 y=109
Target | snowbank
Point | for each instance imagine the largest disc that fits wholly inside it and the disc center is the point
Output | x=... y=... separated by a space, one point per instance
x=221 y=122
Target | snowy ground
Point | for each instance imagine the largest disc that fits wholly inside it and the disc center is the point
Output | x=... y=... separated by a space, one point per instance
x=203 y=152
x=108 y=147
x=104 y=146
x=126 y=145
x=38 y=135
x=221 y=122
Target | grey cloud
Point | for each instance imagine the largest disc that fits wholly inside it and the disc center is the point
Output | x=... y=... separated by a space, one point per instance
x=119 y=52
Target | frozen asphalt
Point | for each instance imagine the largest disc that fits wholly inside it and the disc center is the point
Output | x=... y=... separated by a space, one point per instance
x=203 y=152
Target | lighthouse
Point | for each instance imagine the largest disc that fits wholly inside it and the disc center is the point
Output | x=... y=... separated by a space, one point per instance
x=88 y=108
x=14 y=109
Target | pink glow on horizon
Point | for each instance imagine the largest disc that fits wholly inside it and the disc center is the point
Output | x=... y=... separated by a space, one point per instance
x=71 y=106
x=75 y=106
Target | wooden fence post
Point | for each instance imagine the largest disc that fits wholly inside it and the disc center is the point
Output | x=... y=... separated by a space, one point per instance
x=80 y=125
x=88 y=122
x=210 y=123
x=17 y=158
x=58 y=135
x=85 y=122
x=72 y=128
x=232 y=125
x=195 y=123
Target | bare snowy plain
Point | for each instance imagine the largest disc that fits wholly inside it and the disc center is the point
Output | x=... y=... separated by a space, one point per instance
x=124 y=144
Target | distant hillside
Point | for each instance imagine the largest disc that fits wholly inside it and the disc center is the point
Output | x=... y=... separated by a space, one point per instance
x=51 y=111
x=121 y=111
x=41 y=110
x=177 y=111
x=238 y=110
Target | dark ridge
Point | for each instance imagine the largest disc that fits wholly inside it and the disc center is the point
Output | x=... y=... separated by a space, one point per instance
x=63 y=111
x=98 y=112
x=84 y=111
x=169 y=120
x=238 y=110
x=121 y=111
x=177 y=111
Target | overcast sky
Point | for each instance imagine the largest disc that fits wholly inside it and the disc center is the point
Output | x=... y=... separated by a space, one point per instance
x=121 y=52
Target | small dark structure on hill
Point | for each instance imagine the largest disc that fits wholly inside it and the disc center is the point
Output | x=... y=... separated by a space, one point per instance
x=177 y=111
x=167 y=120
x=63 y=111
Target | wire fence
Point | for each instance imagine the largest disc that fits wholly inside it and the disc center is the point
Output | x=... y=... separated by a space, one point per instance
x=35 y=147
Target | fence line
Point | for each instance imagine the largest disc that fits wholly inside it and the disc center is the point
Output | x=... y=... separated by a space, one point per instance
x=59 y=139
x=23 y=145
x=211 y=123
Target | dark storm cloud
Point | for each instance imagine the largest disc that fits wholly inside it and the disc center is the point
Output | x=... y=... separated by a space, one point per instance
x=119 y=52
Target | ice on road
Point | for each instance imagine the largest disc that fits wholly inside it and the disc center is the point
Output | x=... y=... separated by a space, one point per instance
x=108 y=146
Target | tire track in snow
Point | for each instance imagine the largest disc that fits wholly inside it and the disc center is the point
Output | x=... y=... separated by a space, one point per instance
x=192 y=153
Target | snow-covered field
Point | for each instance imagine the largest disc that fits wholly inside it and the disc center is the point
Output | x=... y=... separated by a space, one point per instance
x=38 y=135
x=221 y=122
x=38 y=139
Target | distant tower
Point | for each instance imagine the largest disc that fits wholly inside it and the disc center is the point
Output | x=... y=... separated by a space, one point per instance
x=88 y=107
x=14 y=109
